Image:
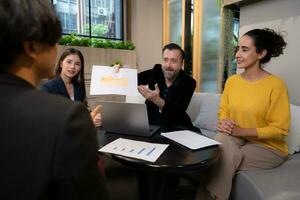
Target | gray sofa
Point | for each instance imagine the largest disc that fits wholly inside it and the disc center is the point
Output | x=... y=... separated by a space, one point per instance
x=281 y=183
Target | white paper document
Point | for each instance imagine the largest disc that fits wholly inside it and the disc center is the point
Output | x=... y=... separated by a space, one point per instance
x=135 y=149
x=190 y=139
x=104 y=80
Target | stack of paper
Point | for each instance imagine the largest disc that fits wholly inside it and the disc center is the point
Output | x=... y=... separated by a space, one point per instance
x=190 y=139
x=135 y=149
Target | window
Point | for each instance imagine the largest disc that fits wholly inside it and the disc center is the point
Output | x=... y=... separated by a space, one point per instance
x=68 y=22
x=202 y=29
x=175 y=21
x=210 y=46
x=91 y=18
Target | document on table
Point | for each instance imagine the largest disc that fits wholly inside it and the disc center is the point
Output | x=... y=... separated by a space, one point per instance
x=190 y=139
x=135 y=149
x=104 y=80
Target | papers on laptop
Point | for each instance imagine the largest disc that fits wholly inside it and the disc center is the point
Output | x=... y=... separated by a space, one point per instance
x=104 y=80
x=135 y=149
x=190 y=139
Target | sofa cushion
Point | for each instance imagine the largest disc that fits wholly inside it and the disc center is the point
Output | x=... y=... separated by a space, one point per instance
x=293 y=138
x=280 y=183
x=208 y=114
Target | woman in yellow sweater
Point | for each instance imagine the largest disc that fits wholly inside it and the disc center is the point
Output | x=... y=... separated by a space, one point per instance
x=254 y=114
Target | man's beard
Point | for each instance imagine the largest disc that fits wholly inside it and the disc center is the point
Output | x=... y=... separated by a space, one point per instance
x=170 y=75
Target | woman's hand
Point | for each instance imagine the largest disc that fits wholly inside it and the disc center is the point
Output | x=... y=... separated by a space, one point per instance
x=229 y=127
x=97 y=120
x=96 y=116
x=226 y=126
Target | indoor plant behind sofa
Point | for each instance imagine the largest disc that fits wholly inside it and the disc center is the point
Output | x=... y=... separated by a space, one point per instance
x=281 y=183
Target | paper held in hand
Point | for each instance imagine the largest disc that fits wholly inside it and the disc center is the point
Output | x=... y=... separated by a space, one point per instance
x=104 y=80
x=135 y=149
x=190 y=139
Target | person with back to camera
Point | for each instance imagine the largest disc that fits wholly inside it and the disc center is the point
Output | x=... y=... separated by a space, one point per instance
x=69 y=80
x=48 y=144
x=254 y=114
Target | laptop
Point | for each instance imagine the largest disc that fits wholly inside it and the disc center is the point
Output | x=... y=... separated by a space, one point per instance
x=126 y=118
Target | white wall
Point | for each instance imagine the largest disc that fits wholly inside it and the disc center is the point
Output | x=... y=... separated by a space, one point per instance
x=281 y=15
x=146 y=31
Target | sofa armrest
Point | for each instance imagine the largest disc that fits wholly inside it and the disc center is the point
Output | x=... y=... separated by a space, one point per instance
x=203 y=110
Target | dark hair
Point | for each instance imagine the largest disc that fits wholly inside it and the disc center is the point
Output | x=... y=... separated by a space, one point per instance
x=26 y=20
x=173 y=46
x=80 y=76
x=269 y=40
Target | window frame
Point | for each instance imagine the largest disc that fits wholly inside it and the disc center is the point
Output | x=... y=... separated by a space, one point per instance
x=122 y=38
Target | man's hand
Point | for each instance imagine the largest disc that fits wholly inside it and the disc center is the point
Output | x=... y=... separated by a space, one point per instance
x=116 y=68
x=152 y=95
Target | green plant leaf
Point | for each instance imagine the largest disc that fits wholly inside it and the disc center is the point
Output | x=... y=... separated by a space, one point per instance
x=97 y=30
x=219 y=3
x=75 y=40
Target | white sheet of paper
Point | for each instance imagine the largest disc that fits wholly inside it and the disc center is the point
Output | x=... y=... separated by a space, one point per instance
x=135 y=149
x=190 y=139
x=104 y=80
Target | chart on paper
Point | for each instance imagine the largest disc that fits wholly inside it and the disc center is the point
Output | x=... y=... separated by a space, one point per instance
x=104 y=80
x=111 y=81
x=135 y=149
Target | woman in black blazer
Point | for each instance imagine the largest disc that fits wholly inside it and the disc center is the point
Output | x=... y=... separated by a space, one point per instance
x=69 y=80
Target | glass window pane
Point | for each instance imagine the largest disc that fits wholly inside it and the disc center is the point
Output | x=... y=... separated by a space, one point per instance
x=210 y=46
x=175 y=7
x=68 y=13
x=105 y=18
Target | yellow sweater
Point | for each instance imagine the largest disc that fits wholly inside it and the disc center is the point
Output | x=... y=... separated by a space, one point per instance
x=263 y=104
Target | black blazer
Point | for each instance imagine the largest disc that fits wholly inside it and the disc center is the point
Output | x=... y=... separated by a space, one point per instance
x=48 y=146
x=57 y=86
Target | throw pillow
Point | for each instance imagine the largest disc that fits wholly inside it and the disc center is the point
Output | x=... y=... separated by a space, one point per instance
x=208 y=114
x=293 y=138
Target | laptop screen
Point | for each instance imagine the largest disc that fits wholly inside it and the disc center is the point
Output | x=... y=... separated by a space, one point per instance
x=126 y=118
